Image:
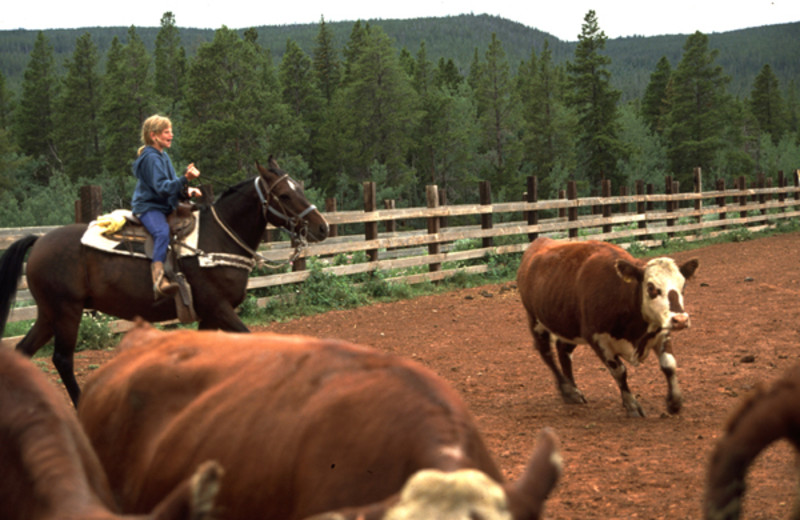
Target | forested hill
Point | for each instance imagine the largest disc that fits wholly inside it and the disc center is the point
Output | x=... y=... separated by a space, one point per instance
x=742 y=53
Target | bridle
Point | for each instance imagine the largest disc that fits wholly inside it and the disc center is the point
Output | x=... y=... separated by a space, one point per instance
x=290 y=222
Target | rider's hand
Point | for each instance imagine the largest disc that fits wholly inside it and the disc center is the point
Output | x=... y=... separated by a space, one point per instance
x=192 y=172
x=193 y=192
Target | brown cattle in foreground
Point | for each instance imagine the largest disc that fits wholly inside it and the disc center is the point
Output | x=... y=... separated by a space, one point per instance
x=301 y=426
x=49 y=470
x=596 y=293
x=765 y=416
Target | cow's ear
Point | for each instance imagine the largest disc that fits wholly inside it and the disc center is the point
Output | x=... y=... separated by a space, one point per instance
x=689 y=267
x=629 y=272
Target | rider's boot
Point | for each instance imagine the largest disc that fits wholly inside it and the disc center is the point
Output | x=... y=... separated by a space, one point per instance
x=162 y=287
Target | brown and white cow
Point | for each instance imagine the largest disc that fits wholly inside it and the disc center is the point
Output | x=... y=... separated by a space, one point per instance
x=301 y=426
x=767 y=415
x=48 y=469
x=596 y=293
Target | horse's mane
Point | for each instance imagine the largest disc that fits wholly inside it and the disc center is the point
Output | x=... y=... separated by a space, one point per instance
x=233 y=189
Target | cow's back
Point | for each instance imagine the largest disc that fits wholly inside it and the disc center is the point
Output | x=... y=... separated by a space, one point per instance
x=48 y=465
x=298 y=424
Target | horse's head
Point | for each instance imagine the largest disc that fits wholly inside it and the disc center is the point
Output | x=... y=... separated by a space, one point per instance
x=286 y=206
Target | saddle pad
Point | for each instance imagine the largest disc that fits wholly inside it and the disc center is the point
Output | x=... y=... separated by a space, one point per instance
x=95 y=237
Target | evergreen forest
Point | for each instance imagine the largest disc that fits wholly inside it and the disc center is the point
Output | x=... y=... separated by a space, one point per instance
x=404 y=103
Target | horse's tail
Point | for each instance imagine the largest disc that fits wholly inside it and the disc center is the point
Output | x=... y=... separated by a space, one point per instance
x=769 y=414
x=10 y=273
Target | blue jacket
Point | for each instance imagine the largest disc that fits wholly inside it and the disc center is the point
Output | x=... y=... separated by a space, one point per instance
x=157 y=185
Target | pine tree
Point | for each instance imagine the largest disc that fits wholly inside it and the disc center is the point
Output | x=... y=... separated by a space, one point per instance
x=303 y=100
x=78 y=115
x=766 y=104
x=225 y=128
x=127 y=101
x=34 y=125
x=170 y=64
x=549 y=125
x=499 y=118
x=595 y=101
x=326 y=62
x=655 y=96
x=378 y=103
x=6 y=104
x=697 y=109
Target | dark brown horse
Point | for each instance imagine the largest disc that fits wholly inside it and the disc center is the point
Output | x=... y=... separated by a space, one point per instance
x=66 y=277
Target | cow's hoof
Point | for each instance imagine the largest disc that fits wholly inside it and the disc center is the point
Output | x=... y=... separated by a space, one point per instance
x=674 y=405
x=572 y=395
x=633 y=407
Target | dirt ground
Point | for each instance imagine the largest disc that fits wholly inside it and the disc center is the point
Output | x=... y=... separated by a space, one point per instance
x=745 y=312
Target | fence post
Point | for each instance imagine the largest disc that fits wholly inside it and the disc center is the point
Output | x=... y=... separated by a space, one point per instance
x=669 y=186
x=781 y=194
x=572 y=211
x=432 y=198
x=562 y=212
x=797 y=184
x=90 y=205
x=698 y=188
x=370 y=228
x=761 y=199
x=623 y=206
x=742 y=185
x=641 y=207
x=442 y=202
x=486 y=218
x=723 y=215
x=532 y=196
x=606 y=208
x=330 y=207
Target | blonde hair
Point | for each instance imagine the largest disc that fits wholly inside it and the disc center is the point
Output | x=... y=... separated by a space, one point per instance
x=155 y=123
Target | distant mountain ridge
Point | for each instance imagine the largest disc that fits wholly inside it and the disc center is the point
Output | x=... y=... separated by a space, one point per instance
x=742 y=53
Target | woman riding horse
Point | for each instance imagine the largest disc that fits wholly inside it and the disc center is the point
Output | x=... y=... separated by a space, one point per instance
x=157 y=193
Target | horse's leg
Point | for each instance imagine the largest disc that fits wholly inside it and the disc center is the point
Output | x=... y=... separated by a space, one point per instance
x=66 y=336
x=220 y=317
x=40 y=333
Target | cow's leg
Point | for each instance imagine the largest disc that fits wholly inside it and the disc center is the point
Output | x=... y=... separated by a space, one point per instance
x=566 y=385
x=620 y=373
x=569 y=391
x=669 y=367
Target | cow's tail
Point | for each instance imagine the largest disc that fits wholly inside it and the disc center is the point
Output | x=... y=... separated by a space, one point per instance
x=769 y=414
x=528 y=494
x=10 y=273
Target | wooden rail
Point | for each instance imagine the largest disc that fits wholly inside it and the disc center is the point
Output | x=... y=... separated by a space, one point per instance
x=426 y=246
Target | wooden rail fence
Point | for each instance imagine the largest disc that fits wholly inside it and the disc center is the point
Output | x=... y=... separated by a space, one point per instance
x=424 y=243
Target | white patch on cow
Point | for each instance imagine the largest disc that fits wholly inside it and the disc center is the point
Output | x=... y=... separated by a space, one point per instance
x=664 y=275
x=455 y=452
x=458 y=495
x=612 y=346
x=553 y=336
x=667 y=361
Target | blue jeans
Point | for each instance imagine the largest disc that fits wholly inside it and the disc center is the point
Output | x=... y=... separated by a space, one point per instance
x=156 y=223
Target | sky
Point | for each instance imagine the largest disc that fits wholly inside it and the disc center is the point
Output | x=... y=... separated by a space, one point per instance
x=561 y=18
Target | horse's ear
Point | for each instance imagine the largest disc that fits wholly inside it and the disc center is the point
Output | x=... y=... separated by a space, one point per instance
x=260 y=168
x=273 y=164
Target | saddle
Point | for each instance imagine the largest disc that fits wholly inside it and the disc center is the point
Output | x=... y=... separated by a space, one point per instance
x=127 y=230
x=181 y=222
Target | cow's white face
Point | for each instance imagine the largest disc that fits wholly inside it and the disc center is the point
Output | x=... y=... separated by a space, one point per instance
x=662 y=294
